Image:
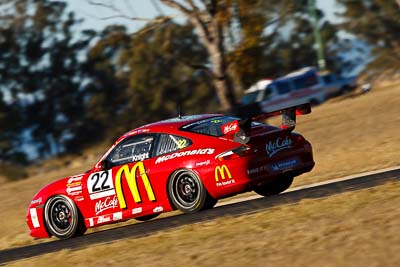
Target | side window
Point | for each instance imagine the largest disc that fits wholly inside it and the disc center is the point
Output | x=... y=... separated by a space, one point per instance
x=132 y=149
x=300 y=83
x=168 y=143
x=267 y=93
x=305 y=81
x=328 y=78
x=283 y=87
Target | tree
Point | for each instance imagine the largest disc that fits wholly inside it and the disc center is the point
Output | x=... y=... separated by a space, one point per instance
x=105 y=90
x=9 y=126
x=41 y=71
x=12 y=158
x=378 y=24
x=134 y=79
x=210 y=20
x=209 y=25
x=162 y=72
x=277 y=40
x=238 y=36
x=252 y=27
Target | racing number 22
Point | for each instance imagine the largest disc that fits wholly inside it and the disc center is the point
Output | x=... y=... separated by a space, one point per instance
x=100 y=181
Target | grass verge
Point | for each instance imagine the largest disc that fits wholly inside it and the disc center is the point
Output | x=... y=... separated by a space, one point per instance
x=351 y=229
x=350 y=135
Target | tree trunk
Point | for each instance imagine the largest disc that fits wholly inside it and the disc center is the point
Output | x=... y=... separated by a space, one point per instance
x=220 y=76
x=211 y=34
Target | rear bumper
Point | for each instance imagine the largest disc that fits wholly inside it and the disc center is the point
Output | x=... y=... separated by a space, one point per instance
x=293 y=172
x=249 y=173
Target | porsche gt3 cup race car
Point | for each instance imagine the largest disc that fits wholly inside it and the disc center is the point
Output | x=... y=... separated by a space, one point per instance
x=186 y=163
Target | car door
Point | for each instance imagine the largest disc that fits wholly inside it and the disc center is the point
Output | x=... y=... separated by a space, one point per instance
x=134 y=189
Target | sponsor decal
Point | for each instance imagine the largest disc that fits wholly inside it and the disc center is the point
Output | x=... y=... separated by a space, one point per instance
x=100 y=184
x=206 y=151
x=80 y=198
x=103 y=219
x=181 y=143
x=287 y=164
x=279 y=144
x=137 y=210
x=158 y=209
x=106 y=204
x=73 y=191
x=117 y=216
x=76 y=178
x=223 y=173
x=34 y=217
x=74 y=185
x=257 y=170
x=204 y=163
x=130 y=176
x=91 y=222
x=231 y=127
x=36 y=201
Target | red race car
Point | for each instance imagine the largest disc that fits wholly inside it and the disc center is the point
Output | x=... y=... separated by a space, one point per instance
x=185 y=163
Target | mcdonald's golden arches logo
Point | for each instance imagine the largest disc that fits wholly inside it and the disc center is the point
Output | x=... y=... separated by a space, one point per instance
x=130 y=176
x=221 y=171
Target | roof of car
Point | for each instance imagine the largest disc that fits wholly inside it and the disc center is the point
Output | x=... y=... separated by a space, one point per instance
x=170 y=123
x=258 y=86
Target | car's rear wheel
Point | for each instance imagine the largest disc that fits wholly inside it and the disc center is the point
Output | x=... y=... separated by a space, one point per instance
x=275 y=187
x=210 y=202
x=62 y=217
x=187 y=193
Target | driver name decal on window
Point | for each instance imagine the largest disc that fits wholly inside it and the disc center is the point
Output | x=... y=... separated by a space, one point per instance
x=140 y=157
x=131 y=150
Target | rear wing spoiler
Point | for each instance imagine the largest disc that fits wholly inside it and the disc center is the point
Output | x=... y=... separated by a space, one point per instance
x=248 y=114
x=240 y=128
x=289 y=114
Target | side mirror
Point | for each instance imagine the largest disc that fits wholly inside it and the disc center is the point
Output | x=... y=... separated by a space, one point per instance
x=105 y=165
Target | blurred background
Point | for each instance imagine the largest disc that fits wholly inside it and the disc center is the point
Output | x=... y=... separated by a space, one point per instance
x=74 y=74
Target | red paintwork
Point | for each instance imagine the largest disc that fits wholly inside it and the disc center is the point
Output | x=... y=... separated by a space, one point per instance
x=269 y=146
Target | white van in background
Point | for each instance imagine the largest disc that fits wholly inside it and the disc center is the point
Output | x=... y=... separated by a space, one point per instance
x=297 y=87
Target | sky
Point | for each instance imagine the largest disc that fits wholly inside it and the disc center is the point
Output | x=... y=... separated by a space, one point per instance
x=97 y=17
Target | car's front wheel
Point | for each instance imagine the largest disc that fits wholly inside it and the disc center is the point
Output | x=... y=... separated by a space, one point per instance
x=187 y=193
x=275 y=187
x=62 y=217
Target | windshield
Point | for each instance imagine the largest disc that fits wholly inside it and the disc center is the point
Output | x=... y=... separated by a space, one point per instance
x=249 y=98
x=210 y=126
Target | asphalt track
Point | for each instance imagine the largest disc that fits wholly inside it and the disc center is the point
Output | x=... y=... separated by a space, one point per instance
x=246 y=206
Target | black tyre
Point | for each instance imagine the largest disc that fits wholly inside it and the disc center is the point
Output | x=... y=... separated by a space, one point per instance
x=210 y=202
x=275 y=187
x=147 y=217
x=314 y=102
x=345 y=89
x=187 y=193
x=62 y=217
